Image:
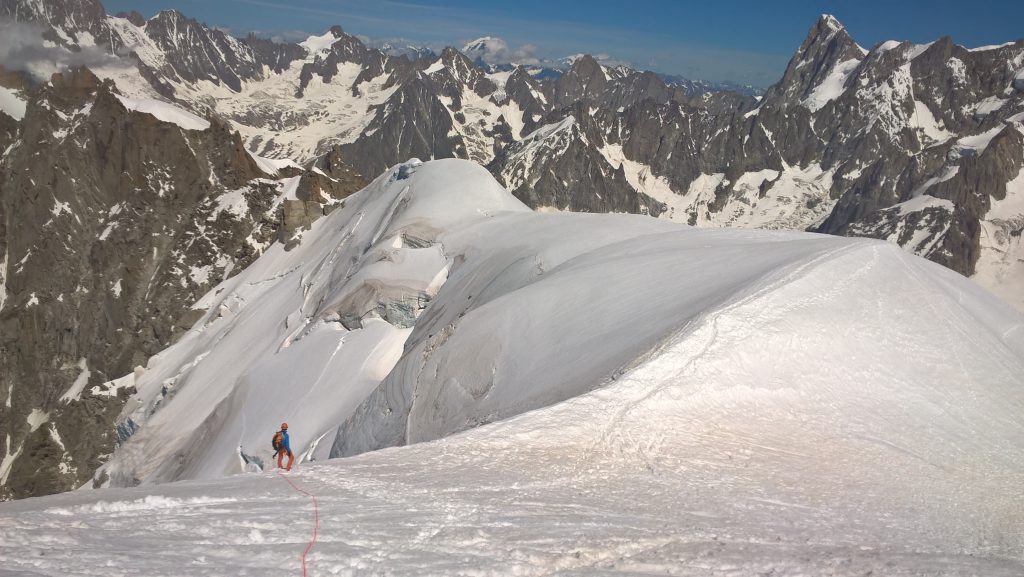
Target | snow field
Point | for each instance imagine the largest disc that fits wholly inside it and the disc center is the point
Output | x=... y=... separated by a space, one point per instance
x=640 y=178
x=11 y=104
x=318 y=46
x=795 y=199
x=550 y=136
x=673 y=400
x=165 y=112
x=302 y=335
x=975 y=145
x=832 y=87
x=271 y=166
x=924 y=121
x=1001 y=265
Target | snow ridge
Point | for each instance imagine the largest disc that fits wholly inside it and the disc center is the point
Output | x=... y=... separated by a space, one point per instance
x=738 y=403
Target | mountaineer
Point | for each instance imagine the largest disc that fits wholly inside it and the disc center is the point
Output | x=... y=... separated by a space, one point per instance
x=283 y=447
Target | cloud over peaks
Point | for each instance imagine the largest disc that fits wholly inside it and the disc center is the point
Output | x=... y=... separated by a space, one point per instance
x=24 y=48
x=492 y=50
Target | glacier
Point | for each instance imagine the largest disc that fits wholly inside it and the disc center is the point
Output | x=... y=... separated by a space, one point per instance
x=571 y=394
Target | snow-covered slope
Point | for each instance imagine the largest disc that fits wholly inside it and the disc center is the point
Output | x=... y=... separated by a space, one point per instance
x=166 y=112
x=303 y=335
x=921 y=145
x=676 y=399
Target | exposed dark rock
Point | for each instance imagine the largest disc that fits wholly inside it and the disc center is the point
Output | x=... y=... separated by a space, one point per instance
x=209 y=54
x=559 y=168
x=346 y=48
x=417 y=125
x=299 y=214
x=134 y=17
x=130 y=233
x=73 y=17
x=277 y=56
x=584 y=81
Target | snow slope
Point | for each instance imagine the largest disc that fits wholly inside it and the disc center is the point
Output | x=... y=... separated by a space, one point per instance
x=674 y=400
x=11 y=104
x=166 y=112
x=302 y=335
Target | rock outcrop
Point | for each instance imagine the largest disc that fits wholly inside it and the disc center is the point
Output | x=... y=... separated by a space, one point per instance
x=132 y=220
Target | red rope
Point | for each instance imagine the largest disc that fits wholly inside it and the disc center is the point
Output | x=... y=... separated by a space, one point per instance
x=316 y=520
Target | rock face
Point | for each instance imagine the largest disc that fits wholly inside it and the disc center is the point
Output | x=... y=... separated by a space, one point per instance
x=317 y=193
x=556 y=167
x=195 y=52
x=418 y=126
x=133 y=220
x=342 y=48
x=918 y=144
x=70 y=23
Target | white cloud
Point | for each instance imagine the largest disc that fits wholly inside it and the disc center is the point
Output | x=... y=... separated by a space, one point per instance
x=493 y=50
x=24 y=48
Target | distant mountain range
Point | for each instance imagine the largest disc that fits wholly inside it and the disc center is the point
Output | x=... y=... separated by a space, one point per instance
x=493 y=55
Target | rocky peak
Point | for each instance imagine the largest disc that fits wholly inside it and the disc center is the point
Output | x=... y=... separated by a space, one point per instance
x=134 y=17
x=461 y=67
x=170 y=19
x=76 y=81
x=235 y=166
x=559 y=165
x=277 y=56
x=829 y=22
x=632 y=86
x=197 y=52
x=528 y=94
x=583 y=81
x=347 y=48
x=456 y=74
x=827 y=44
x=649 y=81
x=66 y=19
x=344 y=48
x=415 y=124
x=523 y=88
x=586 y=66
x=520 y=75
x=68 y=14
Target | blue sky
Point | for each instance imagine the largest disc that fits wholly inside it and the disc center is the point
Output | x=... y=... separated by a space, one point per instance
x=742 y=41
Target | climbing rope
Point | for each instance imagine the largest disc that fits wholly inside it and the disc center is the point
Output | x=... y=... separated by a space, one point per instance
x=316 y=520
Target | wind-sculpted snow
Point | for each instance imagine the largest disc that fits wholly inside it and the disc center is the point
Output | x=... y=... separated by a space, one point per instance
x=522 y=326
x=668 y=400
x=302 y=335
x=560 y=310
x=433 y=302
